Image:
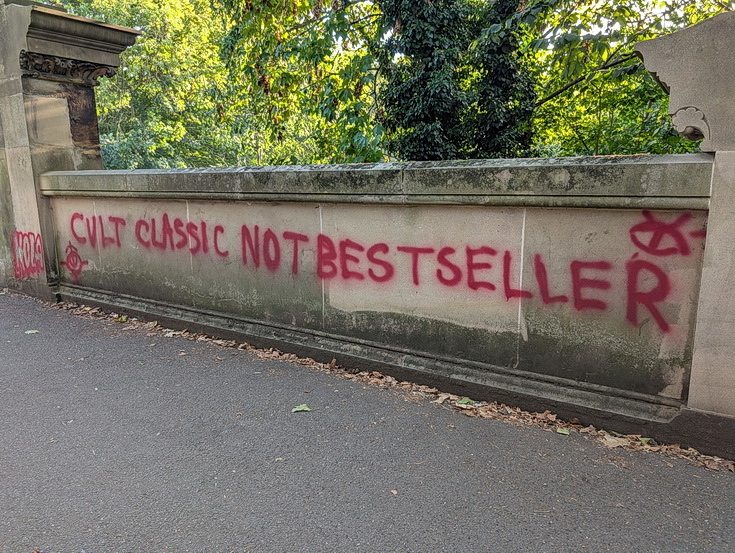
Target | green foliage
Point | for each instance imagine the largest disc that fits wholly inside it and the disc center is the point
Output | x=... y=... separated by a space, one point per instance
x=454 y=87
x=609 y=116
x=307 y=77
x=239 y=82
x=431 y=74
x=169 y=105
x=596 y=97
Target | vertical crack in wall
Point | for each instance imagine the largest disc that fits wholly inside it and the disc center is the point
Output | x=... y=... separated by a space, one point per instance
x=98 y=245
x=522 y=330
x=324 y=286
x=191 y=255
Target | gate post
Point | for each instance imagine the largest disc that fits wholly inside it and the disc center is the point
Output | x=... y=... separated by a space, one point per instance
x=50 y=62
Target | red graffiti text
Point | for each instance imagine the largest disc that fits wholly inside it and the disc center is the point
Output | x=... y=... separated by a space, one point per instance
x=97 y=230
x=27 y=250
x=166 y=234
x=482 y=269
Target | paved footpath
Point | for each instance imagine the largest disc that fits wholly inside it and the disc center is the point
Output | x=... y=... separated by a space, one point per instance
x=116 y=440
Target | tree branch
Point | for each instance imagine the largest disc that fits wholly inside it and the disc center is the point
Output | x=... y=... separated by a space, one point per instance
x=603 y=67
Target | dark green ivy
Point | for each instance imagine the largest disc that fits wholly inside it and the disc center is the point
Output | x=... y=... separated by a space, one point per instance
x=455 y=86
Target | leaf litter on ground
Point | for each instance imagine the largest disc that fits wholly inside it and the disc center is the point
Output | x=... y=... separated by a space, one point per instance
x=485 y=410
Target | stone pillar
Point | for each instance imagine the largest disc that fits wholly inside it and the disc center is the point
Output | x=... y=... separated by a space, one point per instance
x=712 y=386
x=50 y=62
x=697 y=67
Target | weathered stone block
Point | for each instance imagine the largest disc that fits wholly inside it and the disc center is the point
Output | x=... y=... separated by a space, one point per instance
x=49 y=63
x=696 y=66
x=713 y=373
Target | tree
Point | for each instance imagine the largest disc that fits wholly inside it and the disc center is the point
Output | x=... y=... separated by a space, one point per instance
x=432 y=73
x=232 y=82
x=454 y=88
x=307 y=77
x=169 y=105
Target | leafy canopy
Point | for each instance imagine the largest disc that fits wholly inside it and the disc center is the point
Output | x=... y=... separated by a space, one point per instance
x=169 y=105
x=426 y=74
x=232 y=82
x=307 y=75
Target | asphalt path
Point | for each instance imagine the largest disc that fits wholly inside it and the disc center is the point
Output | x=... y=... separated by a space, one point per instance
x=115 y=439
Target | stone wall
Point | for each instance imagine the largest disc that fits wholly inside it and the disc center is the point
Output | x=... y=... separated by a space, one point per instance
x=580 y=276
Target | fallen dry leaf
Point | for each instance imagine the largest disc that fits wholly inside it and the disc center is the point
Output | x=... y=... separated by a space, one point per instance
x=613 y=442
x=441 y=399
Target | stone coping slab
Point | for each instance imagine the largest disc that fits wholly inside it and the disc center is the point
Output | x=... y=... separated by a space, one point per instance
x=628 y=179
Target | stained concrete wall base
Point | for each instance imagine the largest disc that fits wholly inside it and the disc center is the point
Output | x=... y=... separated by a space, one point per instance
x=35 y=288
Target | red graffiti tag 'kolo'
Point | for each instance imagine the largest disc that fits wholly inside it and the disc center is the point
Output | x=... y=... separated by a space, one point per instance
x=27 y=254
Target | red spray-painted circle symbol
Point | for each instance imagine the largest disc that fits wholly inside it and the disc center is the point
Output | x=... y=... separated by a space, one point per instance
x=661 y=238
x=74 y=262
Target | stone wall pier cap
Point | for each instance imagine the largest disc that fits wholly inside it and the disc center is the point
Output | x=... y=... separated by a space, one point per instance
x=51 y=32
x=696 y=66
